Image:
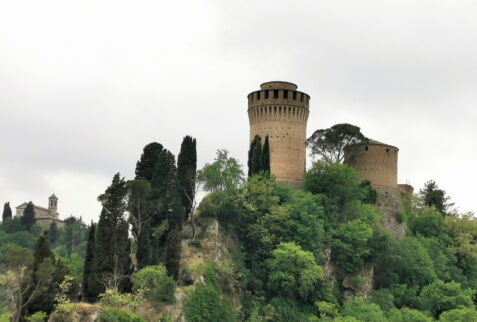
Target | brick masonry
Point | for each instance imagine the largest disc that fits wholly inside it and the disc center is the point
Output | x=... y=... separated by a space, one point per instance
x=281 y=112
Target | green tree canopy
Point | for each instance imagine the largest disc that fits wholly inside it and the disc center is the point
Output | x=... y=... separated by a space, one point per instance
x=186 y=171
x=225 y=173
x=88 y=277
x=155 y=281
x=28 y=218
x=293 y=272
x=7 y=212
x=338 y=182
x=350 y=245
x=439 y=297
x=111 y=264
x=363 y=310
x=329 y=144
x=433 y=196
x=147 y=162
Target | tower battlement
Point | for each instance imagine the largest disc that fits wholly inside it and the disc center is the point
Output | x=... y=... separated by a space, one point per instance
x=281 y=112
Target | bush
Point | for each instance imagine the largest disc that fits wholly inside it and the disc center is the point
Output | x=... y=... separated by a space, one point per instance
x=115 y=299
x=155 y=282
x=204 y=303
x=408 y=315
x=39 y=316
x=459 y=315
x=118 y=315
x=195 y=243
x=350 y=246
x=439 y=297
x=363 y=310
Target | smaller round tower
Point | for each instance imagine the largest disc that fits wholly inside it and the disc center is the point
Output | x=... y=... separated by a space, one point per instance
x=375 y=161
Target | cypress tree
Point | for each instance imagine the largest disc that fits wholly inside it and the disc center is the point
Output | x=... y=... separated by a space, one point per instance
x=111 y=261
x=186 y=170
x=145 y=165
x=28 y=218
x=255 y=155
x=144 y=249
x=7 y=212
x=53 y=232
x=266 y=156
x=173 y=253
x=46 y=301
x=88 y=264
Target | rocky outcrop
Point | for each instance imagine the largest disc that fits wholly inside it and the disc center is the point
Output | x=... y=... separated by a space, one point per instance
x=390 y=204
x=358 y=285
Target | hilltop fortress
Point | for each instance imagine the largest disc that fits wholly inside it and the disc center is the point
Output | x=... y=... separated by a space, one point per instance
x=281 y=112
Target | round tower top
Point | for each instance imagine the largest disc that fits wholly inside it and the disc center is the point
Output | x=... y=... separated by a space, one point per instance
x=278 y=85
x=370 y=142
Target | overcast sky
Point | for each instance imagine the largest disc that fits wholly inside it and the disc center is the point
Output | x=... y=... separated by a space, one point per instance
x=84 y=85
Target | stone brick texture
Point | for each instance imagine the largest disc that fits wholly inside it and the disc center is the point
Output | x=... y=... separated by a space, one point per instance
x=375 y=162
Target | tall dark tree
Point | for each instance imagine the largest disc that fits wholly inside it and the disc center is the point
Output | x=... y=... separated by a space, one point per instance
x=173 y=253
x=53 y=232
x=433 y=196
x=266 y=155
x=144 y=248
x=147 y=162
x=138 y=203
x=7 y=212
x=329 y=144
x=88 y=265
x=255 y=156
x=169 y=212
x=111 y=262
x=186 y=171
x=43 y=254
x=259 y=156
x=28 y=218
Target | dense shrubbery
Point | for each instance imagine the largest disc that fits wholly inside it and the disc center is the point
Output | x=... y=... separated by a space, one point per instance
x=118 y=315
x=155 y=283
x=204 y=303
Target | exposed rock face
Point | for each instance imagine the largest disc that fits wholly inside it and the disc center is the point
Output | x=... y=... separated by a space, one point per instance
x=359 y=285
x=389 y=202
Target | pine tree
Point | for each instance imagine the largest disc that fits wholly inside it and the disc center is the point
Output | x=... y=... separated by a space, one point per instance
x=145 y=166
x=53 y=232
x=28 y=218
x=88 y=264
x=186 y=171
x=7 y=212
x=266 y=156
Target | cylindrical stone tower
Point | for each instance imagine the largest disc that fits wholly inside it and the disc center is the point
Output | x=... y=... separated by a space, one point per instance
x=375 y=161
x=281 y=112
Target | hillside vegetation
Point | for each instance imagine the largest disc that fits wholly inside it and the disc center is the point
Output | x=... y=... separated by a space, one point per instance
x=252 y=250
